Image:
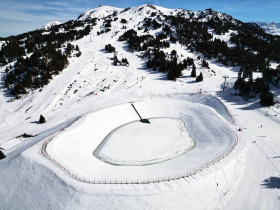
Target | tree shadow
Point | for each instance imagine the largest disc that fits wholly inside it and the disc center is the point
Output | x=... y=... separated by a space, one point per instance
x=190 y=82
x=272 y=183
x=160 y=75
x=229 y=95
x=255 y=105
x=35 y=122
x=104 y=51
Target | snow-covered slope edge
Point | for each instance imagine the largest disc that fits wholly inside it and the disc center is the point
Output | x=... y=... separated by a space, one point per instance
x=49 y=25
x=271 y=28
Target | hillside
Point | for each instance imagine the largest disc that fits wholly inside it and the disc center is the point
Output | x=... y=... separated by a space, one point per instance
x=31 y=59
x=270 y=28
x=109 y=56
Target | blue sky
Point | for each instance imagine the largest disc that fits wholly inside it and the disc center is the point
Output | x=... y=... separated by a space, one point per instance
x=19 y=16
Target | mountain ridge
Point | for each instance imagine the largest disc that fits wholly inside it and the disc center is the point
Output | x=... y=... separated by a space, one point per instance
x=49 y=25
x=147 y=9
x=269 y=27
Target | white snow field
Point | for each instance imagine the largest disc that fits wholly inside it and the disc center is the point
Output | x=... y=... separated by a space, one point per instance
x=74 y=149
x=138 y=143
x=247 y=178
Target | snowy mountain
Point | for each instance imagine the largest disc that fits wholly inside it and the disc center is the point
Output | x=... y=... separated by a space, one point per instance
x=199 y=74
x=49 y=25
x=147 y=9
x=271 y=28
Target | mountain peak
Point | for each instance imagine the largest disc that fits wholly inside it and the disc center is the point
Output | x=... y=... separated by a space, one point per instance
x=49 y=25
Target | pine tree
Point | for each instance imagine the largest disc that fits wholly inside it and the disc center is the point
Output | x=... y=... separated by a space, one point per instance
x=199 y=77
x=154 y=68
x=171 y=74
x=123 y=21
x=68 y=49
x=239 y=79
x=185 y=63
x=205 y=64
x=149 y=64
x=42 y=119
x=162 y=65
x=193 y=74
x=2 y=156
x=116 y=60
x=266 y=97
x=173 y=53
x=3 y=60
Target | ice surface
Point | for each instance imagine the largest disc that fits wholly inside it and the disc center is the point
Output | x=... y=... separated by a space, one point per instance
x=74 y=148
x=139 y=143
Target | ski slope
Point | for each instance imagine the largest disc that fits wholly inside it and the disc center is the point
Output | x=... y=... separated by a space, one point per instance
x=248 y=178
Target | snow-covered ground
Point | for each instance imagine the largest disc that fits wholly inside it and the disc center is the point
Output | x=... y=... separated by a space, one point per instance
x=73 y=149
x=138 y=143
x=248 y=178
x=271 y=28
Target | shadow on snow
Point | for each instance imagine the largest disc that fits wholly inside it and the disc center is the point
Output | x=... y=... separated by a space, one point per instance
x=272 y=183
